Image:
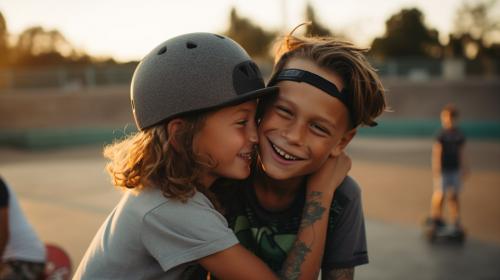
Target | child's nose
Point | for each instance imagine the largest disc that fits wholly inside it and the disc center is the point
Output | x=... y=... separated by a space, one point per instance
x=294 y=134
x=252 y=133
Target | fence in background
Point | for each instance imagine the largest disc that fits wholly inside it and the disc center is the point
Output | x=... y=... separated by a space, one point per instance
x=78 y=77
x=70 y=78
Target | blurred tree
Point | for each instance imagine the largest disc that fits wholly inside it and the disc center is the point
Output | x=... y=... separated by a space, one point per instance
x=463 y=46
x=36 y=42
x=4 y=48
x=407 y=35
x=475 y=30
x=253 y=38
x=493 y=51
x=36 y=46
x=477 y=19
x=315 y=29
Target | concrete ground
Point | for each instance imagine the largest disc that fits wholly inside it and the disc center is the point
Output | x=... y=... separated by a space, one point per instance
x=66 y=195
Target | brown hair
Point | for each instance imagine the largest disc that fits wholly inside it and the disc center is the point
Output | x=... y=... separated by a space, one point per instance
x=347 y=61
x=148 y=159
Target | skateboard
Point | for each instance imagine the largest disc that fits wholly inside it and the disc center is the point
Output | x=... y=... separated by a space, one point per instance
x=442 y=232
x=58 y=266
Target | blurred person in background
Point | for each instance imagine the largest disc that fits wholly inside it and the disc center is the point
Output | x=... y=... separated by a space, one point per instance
x=448 y=167
x=22 y=252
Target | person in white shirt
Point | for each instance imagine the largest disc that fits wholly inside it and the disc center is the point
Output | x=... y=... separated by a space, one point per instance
x=22 y=252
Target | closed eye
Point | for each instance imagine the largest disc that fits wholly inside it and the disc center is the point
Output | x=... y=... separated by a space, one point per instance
x=242 y=122
x=319 y=129
x=283 y=111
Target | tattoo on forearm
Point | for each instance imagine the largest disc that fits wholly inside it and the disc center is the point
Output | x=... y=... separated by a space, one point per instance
x=296 y=257
x=312 y=209
x=339 y=274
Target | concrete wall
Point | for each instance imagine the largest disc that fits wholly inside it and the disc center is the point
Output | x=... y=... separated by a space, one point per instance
x=109 y=106
x=477 y=99
x=96 y=107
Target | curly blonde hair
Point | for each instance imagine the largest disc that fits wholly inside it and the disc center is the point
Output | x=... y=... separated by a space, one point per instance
x=347 y=61
x=150 y=159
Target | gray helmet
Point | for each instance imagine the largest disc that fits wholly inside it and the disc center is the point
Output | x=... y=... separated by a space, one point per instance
x=191 y=73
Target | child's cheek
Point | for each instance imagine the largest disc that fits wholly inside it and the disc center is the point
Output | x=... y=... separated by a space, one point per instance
x=275 y=119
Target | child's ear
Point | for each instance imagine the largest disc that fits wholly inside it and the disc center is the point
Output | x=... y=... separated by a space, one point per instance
x=173 y=127
x=346 y=138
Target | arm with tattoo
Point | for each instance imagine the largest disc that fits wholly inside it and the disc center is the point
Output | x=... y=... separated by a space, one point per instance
x=308 y=239
x=305 y=257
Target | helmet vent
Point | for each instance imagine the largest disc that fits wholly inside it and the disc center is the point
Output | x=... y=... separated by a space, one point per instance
x=255 y=68
x=162 y=51
x=222 y=37
x=244 y=69
x=191 y=45
x=247 y=77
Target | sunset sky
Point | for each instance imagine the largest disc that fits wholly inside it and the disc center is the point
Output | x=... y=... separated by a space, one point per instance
x=128 y=29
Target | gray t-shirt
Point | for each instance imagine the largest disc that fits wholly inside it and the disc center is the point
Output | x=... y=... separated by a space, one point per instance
x=148 y=236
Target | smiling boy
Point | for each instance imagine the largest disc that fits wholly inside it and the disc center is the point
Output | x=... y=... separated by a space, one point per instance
x=327 y=90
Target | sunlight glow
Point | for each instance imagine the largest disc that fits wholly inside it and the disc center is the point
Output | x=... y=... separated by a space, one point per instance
x=128 y=29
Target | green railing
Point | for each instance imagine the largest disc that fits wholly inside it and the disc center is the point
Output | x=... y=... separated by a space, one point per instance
x=56 y=138
x=429 y=128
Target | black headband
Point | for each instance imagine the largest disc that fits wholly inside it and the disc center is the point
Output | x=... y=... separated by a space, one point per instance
x=298 y=75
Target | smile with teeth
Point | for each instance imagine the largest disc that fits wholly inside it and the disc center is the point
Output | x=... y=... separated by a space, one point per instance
x=247 y=156
x=283 y=154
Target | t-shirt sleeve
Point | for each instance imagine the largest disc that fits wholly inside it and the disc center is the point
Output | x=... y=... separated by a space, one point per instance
x=440 y=137
x=462 y=139
x=4 y=194
x=346 y=241
x=175 y=233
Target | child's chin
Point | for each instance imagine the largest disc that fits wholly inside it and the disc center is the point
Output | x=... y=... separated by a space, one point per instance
x=242 y=175
x=277 y=175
